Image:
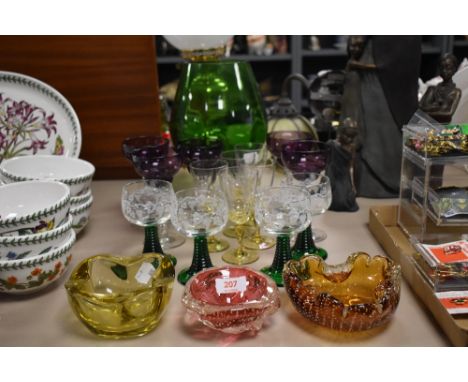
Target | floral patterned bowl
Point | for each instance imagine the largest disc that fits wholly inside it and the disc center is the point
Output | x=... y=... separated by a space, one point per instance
x=32 y=206
x=80 y=215
x=121 y=296
x=74 y=172
x=231 y=299
x=360 y=294
x=34 y=273
x=25 y=246
x=76 y=201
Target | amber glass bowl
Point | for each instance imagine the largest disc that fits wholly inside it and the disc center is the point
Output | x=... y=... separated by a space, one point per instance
x=233 y=310
x=360 y=294
x=121 y=296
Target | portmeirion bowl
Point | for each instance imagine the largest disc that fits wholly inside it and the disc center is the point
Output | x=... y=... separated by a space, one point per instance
x=25 y=246
x=121 y=297
x=32 y=206
x=76 y=201
x=74 y=172
x=360 y=294
x=231 y=299
x=80 y=215
x=34 y=273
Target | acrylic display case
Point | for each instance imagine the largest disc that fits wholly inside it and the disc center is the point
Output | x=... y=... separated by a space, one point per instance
x=434 y=181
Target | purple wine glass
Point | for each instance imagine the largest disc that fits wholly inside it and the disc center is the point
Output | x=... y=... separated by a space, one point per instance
x=162 y=167
x=199 y=149
x=305 y=156
x=149 y=145
x=276 y=139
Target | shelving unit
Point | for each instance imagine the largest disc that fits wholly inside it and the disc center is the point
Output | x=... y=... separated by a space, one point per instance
x=271 y=70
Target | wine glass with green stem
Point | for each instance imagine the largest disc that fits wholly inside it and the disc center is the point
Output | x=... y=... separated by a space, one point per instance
x=207 y=173
x=319 y=187
x=282 y=211
x=199 y=213
x=148 y=203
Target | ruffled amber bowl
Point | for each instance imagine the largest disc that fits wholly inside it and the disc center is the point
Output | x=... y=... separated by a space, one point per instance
x=121 y=296
x=230 y=310
x=360 y=294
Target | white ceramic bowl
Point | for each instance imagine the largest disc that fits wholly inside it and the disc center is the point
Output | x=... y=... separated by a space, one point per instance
x=34 y=273
x=32 y=206
x=24 y=246
x=74 y=172
x=80 y=215
x=76 y=201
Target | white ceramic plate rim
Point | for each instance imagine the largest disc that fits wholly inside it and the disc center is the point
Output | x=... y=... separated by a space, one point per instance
x=52 y=95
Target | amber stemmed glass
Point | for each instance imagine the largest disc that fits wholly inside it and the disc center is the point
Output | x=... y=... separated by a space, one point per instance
x=207 y=174
x=238 y=185
x=263 y=170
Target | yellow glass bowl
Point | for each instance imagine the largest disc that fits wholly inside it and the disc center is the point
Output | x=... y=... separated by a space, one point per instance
x=360 y=294
x=121 y=296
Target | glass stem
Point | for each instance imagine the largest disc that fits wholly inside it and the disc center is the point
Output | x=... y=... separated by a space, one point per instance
x=201 y=257
x=152 y=244
x=282 y=253
x=305 y=242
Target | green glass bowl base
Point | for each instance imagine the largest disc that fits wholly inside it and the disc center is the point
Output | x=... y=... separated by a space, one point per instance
x=172 y=258
x=297 y=255
x=236 y=258
x=275 y=274
x=185 y=275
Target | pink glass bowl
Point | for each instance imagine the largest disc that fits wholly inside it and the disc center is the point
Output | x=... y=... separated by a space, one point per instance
x=360 y=294
x=228 y=311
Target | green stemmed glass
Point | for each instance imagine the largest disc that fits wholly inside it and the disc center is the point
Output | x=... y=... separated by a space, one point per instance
x=282 y=211
x=148 y=203
x=199 y=213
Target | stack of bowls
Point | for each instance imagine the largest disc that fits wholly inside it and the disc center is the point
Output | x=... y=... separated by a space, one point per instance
x=75 y=173
x=36 y=234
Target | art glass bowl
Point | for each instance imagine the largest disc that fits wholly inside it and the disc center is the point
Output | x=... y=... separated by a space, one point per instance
x=120 y=297
x=231 y=299
x=360 y=294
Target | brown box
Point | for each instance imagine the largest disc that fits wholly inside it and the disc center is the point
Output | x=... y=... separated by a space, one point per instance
x=383 y=225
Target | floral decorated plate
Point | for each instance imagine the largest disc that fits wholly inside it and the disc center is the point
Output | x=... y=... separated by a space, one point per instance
x=35 y=119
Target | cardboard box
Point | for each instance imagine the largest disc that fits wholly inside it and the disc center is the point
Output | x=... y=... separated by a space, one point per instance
x=383 y=225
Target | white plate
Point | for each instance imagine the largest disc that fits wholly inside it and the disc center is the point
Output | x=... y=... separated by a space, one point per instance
x=56 y=126
x=461 y=81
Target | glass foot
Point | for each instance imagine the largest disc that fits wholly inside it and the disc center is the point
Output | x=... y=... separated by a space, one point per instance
x=275 y=274
x=318 y=252
x=238 y=257
x=217 y=245
x=170 y=241
x=318 y=235
x=259 y=243
x=230 y=232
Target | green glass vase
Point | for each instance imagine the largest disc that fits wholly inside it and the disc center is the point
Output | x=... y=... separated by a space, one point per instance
x=218 y=100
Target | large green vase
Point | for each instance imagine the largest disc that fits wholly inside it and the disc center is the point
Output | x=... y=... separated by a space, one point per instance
x=218 y=100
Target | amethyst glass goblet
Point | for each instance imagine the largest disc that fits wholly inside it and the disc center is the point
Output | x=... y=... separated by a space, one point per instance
x=159 y=167
x=305 y=156
x=150 y=146
x=302 y=158
x=199 y=149
x=276 y=139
